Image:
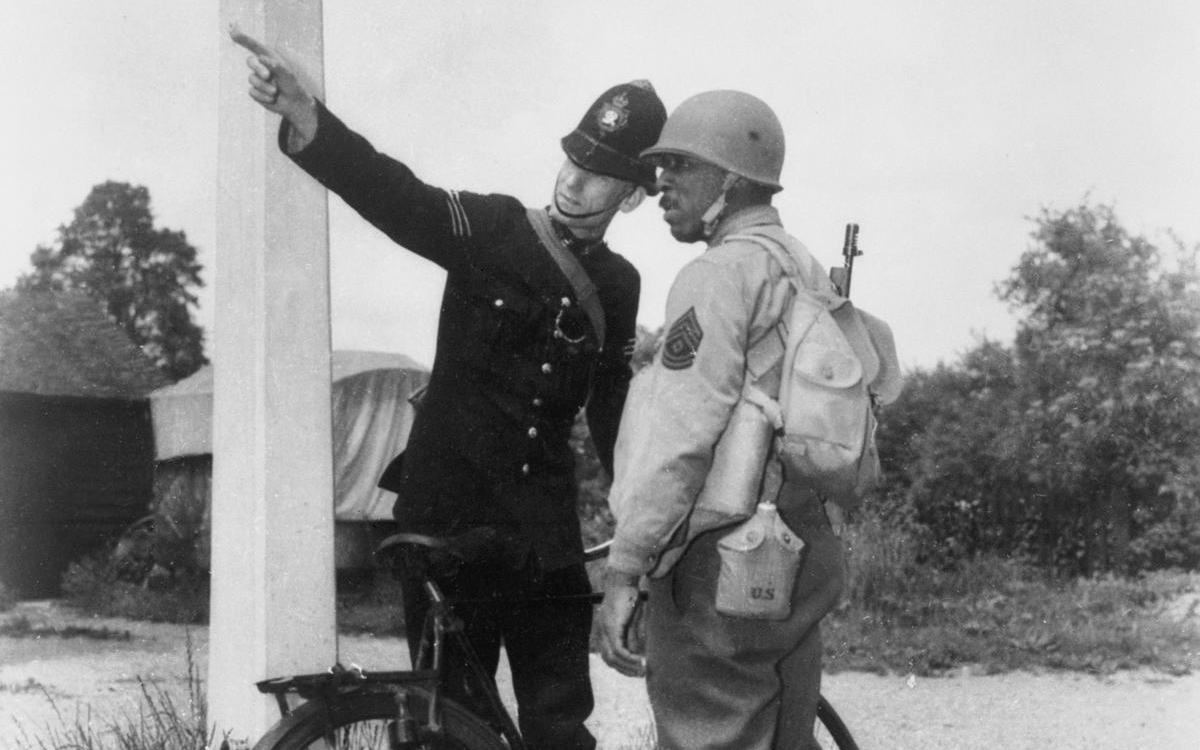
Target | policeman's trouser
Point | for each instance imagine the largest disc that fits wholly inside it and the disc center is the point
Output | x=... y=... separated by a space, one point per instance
x=546 y=642
x=718 y=682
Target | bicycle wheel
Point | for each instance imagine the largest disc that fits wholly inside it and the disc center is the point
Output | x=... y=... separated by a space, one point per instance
x=831 y=732
x=359 y=721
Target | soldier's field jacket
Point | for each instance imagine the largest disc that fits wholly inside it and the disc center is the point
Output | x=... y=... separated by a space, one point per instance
x=721 y=304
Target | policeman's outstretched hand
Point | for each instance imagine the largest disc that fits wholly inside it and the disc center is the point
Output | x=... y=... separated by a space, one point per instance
x=276 y=86
x=620 y=644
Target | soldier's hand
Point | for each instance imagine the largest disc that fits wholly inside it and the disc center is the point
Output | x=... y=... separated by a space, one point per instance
x=276 y=86
x=619 y=642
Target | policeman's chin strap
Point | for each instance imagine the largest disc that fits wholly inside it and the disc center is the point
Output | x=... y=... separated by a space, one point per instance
x=712 y=216
x=588 y=215
x=575 y=244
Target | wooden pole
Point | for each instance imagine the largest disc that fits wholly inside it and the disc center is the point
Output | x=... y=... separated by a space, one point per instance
x=272 y=605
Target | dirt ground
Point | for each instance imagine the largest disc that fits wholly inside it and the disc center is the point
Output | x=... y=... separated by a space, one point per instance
x=47 y=680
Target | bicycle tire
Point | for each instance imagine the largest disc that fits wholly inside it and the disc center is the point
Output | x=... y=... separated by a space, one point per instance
x=831 y=732
x=358 y=721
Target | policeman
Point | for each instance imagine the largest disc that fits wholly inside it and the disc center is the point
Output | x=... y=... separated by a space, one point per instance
x=715 y=680
x=522 y=345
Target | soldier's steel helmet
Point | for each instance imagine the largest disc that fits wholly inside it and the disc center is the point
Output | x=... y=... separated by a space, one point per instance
x=610 y=138
x=731 y=129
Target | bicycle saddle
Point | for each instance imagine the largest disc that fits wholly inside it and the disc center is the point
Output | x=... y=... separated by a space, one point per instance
x=441 y=555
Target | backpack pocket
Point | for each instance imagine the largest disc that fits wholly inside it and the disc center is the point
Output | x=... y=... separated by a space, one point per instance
x=828 y=419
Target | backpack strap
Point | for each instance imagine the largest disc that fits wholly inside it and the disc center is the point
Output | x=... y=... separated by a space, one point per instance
x=585 y=290
x=768 y=351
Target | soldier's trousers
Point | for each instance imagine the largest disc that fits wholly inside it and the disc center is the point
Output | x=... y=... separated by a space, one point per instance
x=723 y=683
x=546 y=642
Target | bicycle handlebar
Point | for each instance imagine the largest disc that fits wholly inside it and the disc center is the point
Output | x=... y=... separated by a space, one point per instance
x=451 y=546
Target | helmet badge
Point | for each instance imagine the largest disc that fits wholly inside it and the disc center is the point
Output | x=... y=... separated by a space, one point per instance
x=613 y=115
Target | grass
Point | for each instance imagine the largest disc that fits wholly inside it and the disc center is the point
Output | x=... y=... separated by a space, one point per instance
x=995 y=616
x=30 y=685
x=991 y=615
x=161 y=723
x=21 y=627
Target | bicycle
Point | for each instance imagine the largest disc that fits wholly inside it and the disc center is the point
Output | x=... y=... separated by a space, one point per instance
x=352 y=708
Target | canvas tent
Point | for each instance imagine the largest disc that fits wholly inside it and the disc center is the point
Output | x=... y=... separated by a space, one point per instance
x=76 y=448
x=371 y=421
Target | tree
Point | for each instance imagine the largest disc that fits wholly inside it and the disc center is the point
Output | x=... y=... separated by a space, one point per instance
x=1076 y=445
x=949 y=453
x=144 y=277
x=1109 y=359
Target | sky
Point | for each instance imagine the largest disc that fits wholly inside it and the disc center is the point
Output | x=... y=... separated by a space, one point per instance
x=941 y=127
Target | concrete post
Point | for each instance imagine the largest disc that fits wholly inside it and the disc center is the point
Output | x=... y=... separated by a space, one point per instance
x=272 y=605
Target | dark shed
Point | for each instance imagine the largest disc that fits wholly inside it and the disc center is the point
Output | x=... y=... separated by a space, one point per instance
x=76 y=442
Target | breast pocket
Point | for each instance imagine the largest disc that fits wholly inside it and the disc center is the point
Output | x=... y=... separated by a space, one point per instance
x=505 y=322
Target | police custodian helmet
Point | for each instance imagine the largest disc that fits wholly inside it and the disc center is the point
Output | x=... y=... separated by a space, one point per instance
x=610 y=138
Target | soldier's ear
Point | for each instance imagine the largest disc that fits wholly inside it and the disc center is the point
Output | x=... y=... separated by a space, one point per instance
x=633 y=200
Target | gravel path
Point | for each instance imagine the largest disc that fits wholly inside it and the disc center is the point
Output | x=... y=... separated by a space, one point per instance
x=44 y=678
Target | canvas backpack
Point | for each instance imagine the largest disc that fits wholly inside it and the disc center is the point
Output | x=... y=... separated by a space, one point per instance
x=839 y=364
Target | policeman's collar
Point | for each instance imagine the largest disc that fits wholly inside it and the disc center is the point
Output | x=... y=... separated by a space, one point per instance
x=580 y=247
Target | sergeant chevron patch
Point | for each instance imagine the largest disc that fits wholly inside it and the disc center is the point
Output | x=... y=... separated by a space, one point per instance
x=683 y=340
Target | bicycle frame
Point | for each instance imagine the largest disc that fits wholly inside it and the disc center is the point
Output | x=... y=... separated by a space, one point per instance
x=423 y=685
x=429 y=673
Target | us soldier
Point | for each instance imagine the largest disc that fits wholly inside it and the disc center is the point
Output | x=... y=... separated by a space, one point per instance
x=522 y=345
x=715 y=680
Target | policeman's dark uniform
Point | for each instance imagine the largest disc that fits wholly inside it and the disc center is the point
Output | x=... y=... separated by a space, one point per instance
x=517 y=357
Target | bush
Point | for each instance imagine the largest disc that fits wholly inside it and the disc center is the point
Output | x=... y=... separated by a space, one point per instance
x=94 y=585
x=881 y=560
x=370 y=602
x=1173 y=542
x=998 y=614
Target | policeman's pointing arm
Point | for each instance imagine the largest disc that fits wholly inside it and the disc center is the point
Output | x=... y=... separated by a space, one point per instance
x=275 y=86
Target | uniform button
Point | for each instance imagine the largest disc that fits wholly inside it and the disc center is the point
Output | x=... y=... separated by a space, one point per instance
x=525 y=469
x=546 y=368
x=566 y=301
x=532 y=432
x=537 y=402
x=499 y=303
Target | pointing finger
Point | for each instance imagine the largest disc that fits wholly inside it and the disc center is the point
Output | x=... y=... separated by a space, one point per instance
x=249 y=42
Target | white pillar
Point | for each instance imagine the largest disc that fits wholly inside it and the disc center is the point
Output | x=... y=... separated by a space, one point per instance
x=272 y=605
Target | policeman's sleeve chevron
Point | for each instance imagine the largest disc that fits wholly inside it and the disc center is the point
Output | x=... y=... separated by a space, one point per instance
x=460 y=224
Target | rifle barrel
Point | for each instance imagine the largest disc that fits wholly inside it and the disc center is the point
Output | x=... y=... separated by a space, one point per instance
x=849 y=252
